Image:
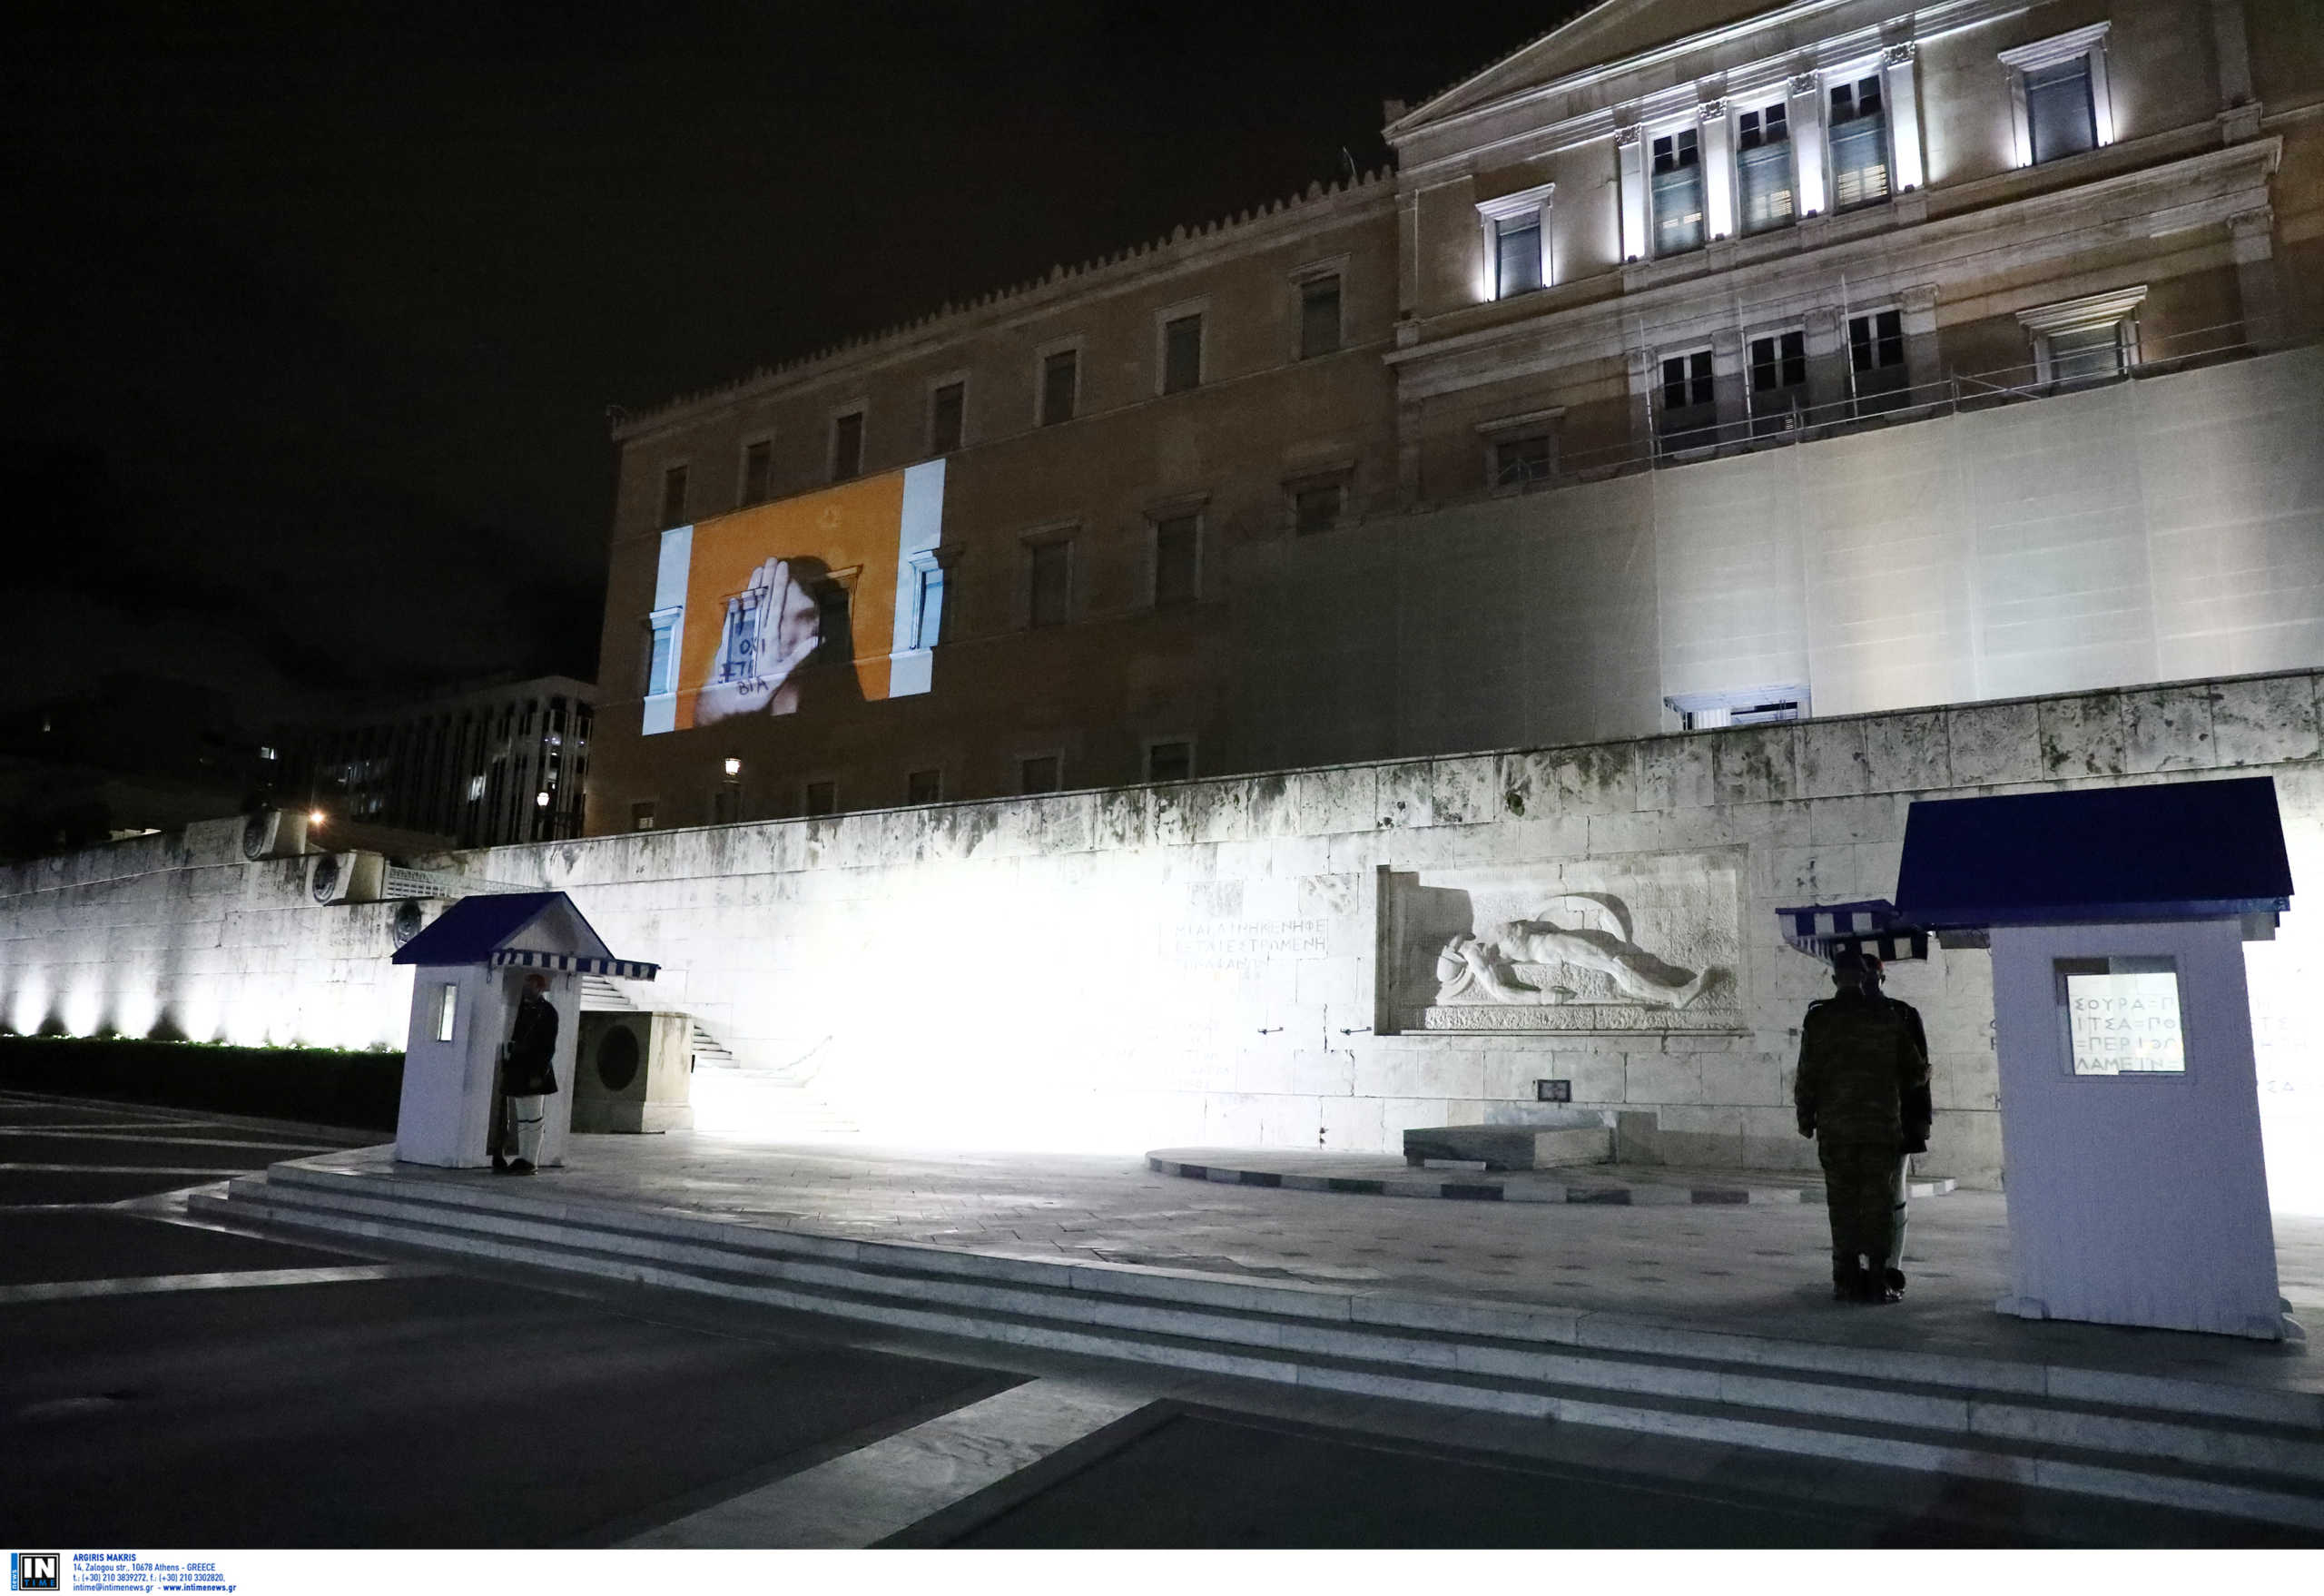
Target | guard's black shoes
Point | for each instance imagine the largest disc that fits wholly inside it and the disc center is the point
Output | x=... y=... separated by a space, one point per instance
x=500 y=1165
x=1847 y=1284
x=521 y=1166
x=1892 y=1285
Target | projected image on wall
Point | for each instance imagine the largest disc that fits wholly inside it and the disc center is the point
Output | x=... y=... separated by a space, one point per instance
x=749 y=607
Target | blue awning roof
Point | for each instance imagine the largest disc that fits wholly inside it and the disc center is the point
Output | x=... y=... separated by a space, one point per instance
x=478 y=931
x=2175 y=851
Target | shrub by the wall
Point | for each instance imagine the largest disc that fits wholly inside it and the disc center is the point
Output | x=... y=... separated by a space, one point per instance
x=321 y=1086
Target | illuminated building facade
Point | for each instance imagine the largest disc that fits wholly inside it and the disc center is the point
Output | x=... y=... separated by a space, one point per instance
x=505 y=763
x=1699 y=362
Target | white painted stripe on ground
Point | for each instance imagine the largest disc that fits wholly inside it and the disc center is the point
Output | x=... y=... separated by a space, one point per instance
x=167 y=1141
x=9 y=1127
x=146 y=1285
x=889 y=1485
x=123 y=1169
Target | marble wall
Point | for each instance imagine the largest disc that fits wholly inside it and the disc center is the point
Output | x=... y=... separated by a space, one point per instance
x=1205 y=962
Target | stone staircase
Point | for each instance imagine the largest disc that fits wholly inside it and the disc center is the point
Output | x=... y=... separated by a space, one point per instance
x=2193 y=1444
x=782 y=1097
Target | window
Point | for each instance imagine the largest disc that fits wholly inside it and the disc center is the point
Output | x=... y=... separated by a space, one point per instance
x=1876 y=352
x=1517 y=245
x=1689 y=394
x=1752 y=706
x=947 y=409
x=1778 y=379
x=2121 y=1014
x=476 y=792
x=738 y=660
x=1181 y=354
x=2059 y=96
x=758 y=460
x=674 y=497
x=1515 y=238
x=1040 y=772
x=924 y=594
x=1051 y=572
x=1319 y=316
x=1061 y=377
x=447 y=1008
x=726 y=804
x=1316 y=507
x=847 y=445
x=1520 y=459
x=661 y=656
x=2087 y=339
x=1859 y=136
x=2059 y=117
x=1763 y=168
x=1176 y=550
x=1678 y=188
x=924 y=786
x=641 y=815
x=835 y=598
x=822 y=798
x=1169 y=762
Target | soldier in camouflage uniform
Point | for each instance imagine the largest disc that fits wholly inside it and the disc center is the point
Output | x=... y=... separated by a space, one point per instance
x=1862 y=1092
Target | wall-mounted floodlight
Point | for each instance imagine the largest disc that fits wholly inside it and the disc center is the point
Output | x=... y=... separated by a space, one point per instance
x=540 y=800
x=734 y=766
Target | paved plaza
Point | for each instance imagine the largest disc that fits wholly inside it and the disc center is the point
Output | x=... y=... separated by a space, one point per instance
x=1755 y=1268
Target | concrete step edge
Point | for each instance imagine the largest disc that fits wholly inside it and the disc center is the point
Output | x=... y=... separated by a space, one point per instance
x=2292 y=1411
x=1953 y=1410
x=2254 y=1496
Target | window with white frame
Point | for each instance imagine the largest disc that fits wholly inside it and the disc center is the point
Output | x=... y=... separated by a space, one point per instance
x=661 y=651
x=2088 y=339
x=2059 y=95
x=1516 y=235
x=925 y=600
x=1763 y=180
x=1856 y=133
x=1677 y=187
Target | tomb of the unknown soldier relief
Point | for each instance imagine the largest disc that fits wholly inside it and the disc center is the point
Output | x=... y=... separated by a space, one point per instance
x=1381 y=660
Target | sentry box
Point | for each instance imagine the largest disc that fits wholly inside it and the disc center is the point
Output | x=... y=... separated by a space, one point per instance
x=469 y=971
x=2129 y=1108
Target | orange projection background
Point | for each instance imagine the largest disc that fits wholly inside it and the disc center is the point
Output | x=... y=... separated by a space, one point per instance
x=853 y=529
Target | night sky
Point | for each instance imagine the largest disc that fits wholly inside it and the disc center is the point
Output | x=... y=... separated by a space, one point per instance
x=312 y=312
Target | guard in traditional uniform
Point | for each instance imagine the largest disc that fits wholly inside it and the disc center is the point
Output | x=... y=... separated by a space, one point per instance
x=526 y=1076
x=1862 y=1093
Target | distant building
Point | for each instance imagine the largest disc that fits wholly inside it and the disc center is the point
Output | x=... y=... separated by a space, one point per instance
x=496 y=764
x=1703 y=361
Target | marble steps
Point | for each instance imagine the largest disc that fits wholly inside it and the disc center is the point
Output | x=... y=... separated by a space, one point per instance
x=2191 y=1444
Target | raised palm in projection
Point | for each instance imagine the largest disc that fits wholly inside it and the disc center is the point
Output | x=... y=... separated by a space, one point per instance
x=773 y=628
x=1482 y=964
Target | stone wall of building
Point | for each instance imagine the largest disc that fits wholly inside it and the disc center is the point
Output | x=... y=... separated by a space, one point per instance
x=2163 y=529
x=1253 y=959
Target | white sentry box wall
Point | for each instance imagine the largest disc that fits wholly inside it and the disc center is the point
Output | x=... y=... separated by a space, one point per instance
x=446 y=1108
x=2135 y=1199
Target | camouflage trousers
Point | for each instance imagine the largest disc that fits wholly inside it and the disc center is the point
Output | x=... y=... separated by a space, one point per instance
x=1864 y=1190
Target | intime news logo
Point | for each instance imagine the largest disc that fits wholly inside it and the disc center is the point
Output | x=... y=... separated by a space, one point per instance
x=34 y=1570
